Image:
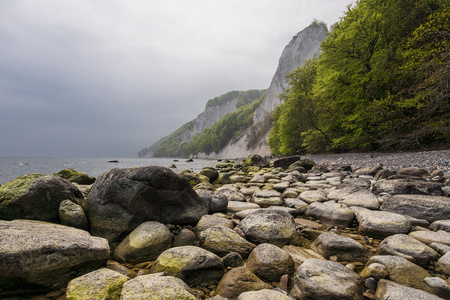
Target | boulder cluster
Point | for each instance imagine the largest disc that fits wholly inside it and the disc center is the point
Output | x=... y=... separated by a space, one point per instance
x=284 y=229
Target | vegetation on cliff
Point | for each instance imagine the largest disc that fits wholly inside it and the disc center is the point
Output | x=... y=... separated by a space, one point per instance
x=381 y=82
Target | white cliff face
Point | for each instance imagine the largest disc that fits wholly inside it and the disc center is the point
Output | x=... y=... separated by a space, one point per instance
x=211 y=115
x=305 y=45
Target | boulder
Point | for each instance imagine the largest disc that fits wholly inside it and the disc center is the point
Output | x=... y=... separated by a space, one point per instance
x=36 y=197
x=441 y=225
x=381 y=224
x=256 y=160
x=269 y=226
x=76 y=176
x=98 y=284
x=209 y=172
x=264 y=295
x=238 y=281
x=72 y=214
x=266 y=198
x=191 y=264
x=387 y=290
x=231 y=195
x=322 y=279
x=157 y=286
x=439 y=286
x=409 y=248
x=144 y=243
x=402 y=271
x=300 y=254
x=395 y=187
x=369 y=170
x=302 y=164
x=313 y=196
x=413 y=171
x=269 y=262
x=233 y=260
x=237 y=206
x=216 y=202
x=47 y=255
x=122 y=199
x=428 y=237
x=331 y=213
x=185 y=237
x=342 y=248
x=362 y=198
x=443 y=264
x=285 y=162
x=222 y=241
x=208 y=221
x=430 y=208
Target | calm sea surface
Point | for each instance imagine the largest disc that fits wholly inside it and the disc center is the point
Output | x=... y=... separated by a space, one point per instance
x=11 y=168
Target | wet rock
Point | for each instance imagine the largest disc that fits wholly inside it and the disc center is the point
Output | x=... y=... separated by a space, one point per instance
x=269 y=226
x=264 y=295
x=394 y=187
x=409 y=248
x=222 y=241
x=390 y=290
x=72 y=214
x=381 y=224
x=269 y=262
x=331 y=213
x=238 y=281
x=343 y=248
x=321 y=279
x=144 y=243
x=209 y=172
x=99 y=284
x=266 y=198
x=430 y=208
x=47 y=255
x=76 y=176
x=36 y=197
x=157 y=286
x=192 y=264
x=122 y=199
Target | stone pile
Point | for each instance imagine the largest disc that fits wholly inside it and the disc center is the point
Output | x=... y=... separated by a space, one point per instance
x=289 y=229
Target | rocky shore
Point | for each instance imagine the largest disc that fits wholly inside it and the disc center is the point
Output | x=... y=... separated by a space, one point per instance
x=342 y=227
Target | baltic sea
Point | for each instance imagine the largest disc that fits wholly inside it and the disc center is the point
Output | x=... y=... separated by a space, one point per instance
x=11 y=168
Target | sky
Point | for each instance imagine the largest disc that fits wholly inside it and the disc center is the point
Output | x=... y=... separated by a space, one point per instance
x=106 y=78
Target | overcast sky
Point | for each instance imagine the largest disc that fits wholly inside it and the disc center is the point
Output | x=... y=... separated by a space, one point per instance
x=106 y=78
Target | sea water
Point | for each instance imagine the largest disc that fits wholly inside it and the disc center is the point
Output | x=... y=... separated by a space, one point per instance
x=11 y=168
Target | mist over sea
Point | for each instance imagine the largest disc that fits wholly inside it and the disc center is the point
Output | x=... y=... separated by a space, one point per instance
x=11 y=168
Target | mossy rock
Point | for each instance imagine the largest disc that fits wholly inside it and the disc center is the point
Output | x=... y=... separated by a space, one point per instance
x=76 y=176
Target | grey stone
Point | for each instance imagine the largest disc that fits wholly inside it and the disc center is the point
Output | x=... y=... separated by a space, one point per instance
x=269 y=226
x=47 y=255
x=430 y=208
x=331 y=213
x=439 y=286
x=321 y=279
x=381 y=224
x=441 y=225
x=313 y=196
x=443 y=264
x=394 y=187
x=264 y=294
x=157 y=286
x=192 y=264
x=36 y=197
x=429 y=237
x=185 y=237
x=285 y=162
x=216 y=202
x=390 y=290
x=266 y=198
x=122 y=199
x=99 y=284
x=343 y=248
x=300 y=254
x=362 y=198
x=269 y=262
x=233 y=259
x=231 y=195
x=222 y=240
x=237 y=206
x=144 y=243
x=72 y=214
x=413 y=171
x=208 y=221
x=409 y=248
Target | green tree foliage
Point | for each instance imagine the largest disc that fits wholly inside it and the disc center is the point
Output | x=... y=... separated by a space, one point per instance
x=380 y=82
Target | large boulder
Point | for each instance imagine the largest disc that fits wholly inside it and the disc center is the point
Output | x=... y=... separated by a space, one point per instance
x=122 y=199
x=395 y=187
x=285 y=162
x=443 y=264
x=76 y=176
x=269 y=226
x=362 y=198
x=156 y=287
x=342 y=248
x=256 y=160
x=430 y=208
x=331 y=213
x=191 y=264
x=387 y=290
x=34 y=253
x=99 y=284
x=144 y=243
x=36 y=197
x=322 y=279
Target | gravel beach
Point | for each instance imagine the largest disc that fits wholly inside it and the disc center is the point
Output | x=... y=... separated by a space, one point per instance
x=429 y=160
